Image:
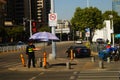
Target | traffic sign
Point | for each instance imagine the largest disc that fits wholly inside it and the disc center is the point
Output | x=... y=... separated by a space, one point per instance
x=52 y=19
x=87 y=34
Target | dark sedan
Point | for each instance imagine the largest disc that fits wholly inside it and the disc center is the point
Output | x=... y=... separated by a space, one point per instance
x=78 y=51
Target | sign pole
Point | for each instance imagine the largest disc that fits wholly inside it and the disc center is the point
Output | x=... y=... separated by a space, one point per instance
x=53 y=32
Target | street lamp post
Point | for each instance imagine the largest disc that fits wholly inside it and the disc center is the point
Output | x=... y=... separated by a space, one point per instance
x=113 y=34
x=30 y=18
x=111 y=18
x=61 y=31
x=88 y=3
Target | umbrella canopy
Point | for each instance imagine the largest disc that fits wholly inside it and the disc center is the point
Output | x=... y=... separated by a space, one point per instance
x=44 y=36
x=117 y=36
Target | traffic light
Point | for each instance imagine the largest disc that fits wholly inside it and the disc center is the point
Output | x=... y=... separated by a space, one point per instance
x=34 y=30
x=34 y=24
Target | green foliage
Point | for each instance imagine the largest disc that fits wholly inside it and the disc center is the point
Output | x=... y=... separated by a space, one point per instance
x=44 y=28
x=116 y=20
x=116 y=25
x=87 y=17
x=106 y=15
x=14 y=31
x=2 y=32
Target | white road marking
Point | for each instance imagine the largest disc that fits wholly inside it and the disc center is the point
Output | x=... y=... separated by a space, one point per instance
x=34 y=77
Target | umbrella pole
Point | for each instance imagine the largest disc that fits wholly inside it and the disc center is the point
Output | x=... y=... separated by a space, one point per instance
x=44 y=46
x=45 y=57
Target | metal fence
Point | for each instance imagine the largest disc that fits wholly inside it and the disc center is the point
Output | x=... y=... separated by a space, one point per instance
x=16 y=48
x=97 y=47
x=94 y=47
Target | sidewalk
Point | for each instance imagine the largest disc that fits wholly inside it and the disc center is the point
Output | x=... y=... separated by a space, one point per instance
x=62 y=64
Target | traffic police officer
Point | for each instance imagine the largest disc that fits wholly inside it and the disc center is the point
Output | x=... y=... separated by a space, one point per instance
x=31 y=54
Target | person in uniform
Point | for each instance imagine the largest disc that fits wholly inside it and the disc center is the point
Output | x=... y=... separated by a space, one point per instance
x=31 y=54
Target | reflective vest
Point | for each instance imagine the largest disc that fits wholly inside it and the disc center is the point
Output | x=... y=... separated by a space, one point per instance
x=30 y=50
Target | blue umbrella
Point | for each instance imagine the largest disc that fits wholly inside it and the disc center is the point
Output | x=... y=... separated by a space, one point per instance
x=117 y=36
x=44 y=36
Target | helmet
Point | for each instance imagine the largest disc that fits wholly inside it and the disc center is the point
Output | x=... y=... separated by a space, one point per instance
x=108 y=43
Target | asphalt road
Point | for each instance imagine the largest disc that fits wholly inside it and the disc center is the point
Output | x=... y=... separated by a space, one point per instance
x=12 y=59
x=66 y=75
x=8 y=60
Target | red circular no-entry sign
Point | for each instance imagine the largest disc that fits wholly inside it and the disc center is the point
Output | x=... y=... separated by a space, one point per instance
x=52 y=17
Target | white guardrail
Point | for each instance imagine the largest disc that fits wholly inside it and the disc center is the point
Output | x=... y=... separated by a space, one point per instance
x=23 y=47
x=15 y=48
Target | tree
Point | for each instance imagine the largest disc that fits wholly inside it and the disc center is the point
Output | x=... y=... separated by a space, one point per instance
x=116 y=20
x=3 y=34
x=15 y=33
x=44 y=28
x=117 y=25
x=87 y=18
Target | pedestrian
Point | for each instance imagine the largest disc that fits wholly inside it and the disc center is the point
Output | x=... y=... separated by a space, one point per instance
x=31 y=54
x=108 y=45
x=107 y=41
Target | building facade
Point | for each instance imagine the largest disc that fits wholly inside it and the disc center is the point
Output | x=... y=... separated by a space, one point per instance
x=116 y=6
x=2 y=12
x=104 y=33
x=14 y=11
x=63 y=30
x=18 y=10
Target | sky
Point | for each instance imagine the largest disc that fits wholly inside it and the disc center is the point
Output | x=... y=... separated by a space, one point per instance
x=65 y=8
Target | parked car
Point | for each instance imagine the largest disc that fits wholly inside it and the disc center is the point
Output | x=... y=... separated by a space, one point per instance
x=100 y=41
x=79 y=41
x=78 y=51
x=19 y=44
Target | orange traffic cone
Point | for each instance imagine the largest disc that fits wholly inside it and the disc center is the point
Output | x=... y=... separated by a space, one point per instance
x=72 y=56
x=45 y=60
x=22 y=60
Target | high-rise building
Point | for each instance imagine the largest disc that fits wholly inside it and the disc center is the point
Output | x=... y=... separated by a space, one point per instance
x=37 y=10
x=116 y=6
x=2 y=12
x=14 y=11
